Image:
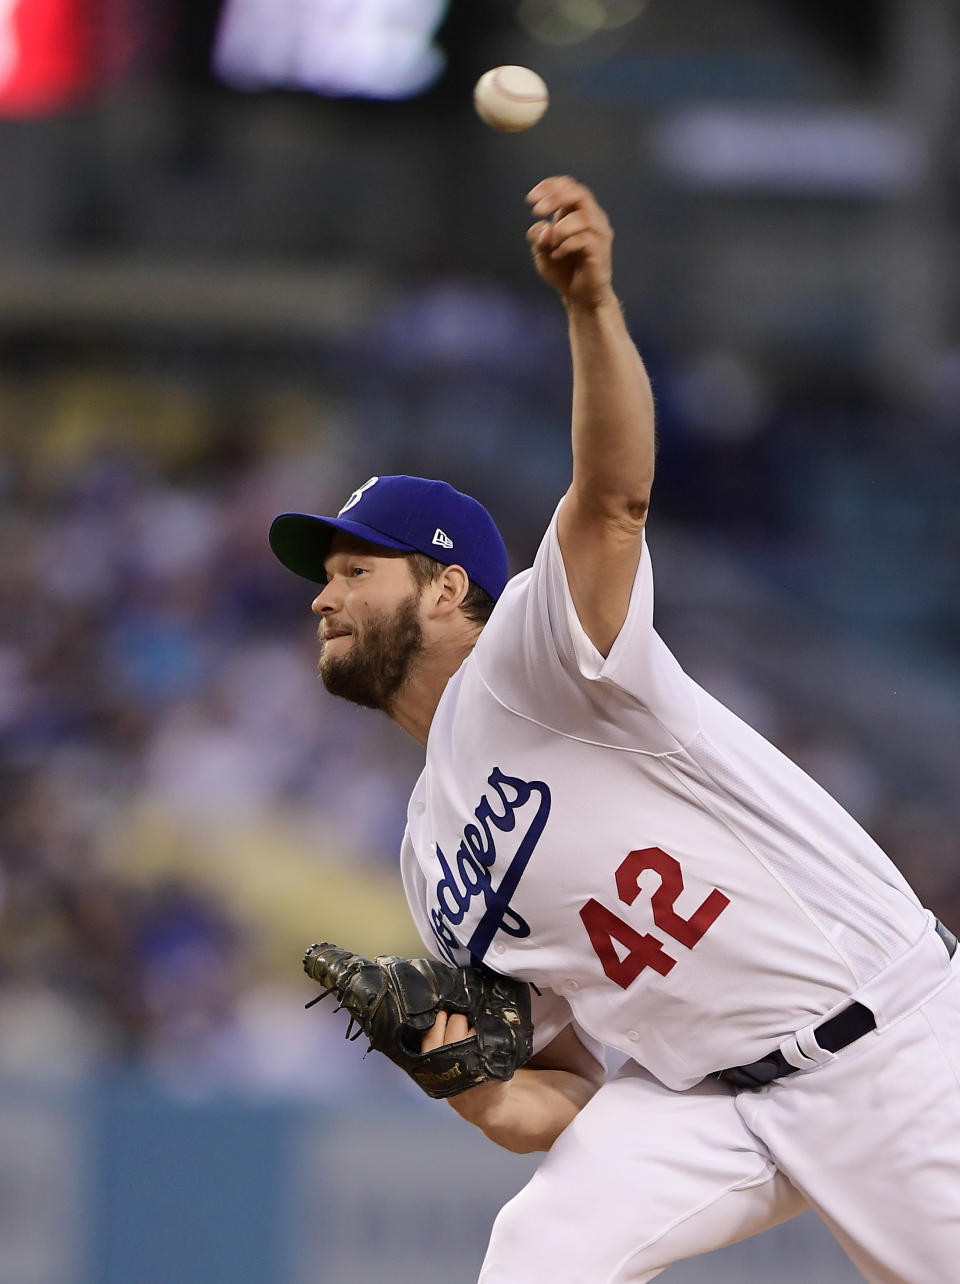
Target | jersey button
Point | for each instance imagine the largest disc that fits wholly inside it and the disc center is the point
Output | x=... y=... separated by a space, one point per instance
x=419 y=806
x=571 y=986
x=499 y=948
x=633 y=1035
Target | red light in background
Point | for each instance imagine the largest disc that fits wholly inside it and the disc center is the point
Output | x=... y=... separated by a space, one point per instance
x=45 y=55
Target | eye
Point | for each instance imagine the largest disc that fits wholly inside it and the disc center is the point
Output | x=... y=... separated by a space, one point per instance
x=357 y=570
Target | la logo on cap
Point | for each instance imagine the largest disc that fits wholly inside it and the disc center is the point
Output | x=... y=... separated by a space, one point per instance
x=358 y=495
x=442 y=539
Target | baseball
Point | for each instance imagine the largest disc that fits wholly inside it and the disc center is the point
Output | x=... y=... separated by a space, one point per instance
x=510 y=98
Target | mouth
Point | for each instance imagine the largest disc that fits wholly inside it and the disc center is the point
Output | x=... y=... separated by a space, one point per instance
x=331 y=635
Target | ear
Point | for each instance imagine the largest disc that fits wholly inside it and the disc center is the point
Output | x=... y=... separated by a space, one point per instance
x=447 y=591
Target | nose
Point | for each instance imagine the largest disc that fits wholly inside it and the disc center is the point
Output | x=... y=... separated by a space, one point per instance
x=324 y=602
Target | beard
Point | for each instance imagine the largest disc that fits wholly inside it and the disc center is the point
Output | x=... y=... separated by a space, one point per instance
x=379 y=661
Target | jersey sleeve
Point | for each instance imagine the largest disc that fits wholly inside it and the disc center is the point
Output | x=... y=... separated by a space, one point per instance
x=536 y=659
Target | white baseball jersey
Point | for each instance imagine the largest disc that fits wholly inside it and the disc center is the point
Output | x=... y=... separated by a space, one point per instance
x=606 y=829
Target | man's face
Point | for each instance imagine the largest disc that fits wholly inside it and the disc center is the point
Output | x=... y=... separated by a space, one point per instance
x=370 y=632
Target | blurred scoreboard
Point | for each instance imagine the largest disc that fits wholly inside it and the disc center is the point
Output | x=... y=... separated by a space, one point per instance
x=353 y=48
x=56 y=55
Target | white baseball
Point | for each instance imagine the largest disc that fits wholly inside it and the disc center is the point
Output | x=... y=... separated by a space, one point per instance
x=510 y=98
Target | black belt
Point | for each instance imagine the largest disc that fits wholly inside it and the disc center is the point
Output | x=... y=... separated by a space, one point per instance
x=852 y=1023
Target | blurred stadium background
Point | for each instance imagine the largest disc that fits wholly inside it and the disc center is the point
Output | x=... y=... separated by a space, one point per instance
x=252 y=251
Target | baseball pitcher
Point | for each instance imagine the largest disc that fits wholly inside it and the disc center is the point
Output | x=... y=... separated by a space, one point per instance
x=600 y=855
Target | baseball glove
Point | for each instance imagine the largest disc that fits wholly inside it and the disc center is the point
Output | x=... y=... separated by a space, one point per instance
x=394 y=1000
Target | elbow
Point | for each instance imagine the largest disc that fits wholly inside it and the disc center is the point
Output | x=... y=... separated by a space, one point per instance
x=513 y=1132
x=618 y=509
x=519 y=1145
x=529 y=1141
x=622 y=518
x=636 y=510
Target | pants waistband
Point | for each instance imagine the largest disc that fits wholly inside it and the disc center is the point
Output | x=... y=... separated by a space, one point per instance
x=852 y=1022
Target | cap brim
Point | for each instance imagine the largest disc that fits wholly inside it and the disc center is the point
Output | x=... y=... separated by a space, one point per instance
x=301 y=541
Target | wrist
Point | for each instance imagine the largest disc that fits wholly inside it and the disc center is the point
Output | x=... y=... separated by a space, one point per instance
x=513 y=1121
x=593 y=304
x=481 y=1106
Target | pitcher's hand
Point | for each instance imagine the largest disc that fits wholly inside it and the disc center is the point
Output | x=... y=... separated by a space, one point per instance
x=571 y=241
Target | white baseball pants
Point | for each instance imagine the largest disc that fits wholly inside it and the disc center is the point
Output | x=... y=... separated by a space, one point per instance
x=869 y=1137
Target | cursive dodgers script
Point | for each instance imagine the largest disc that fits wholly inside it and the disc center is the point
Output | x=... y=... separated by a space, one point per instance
x=474 y=866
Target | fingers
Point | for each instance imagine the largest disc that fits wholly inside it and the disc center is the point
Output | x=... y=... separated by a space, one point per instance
x=457 y=1028
x=561 y=197
x=538 y=235
x=445 y=1029
x=434 y=1037
x=570 y=234
x=561 y=192
x=571 y=220
x=571 y=241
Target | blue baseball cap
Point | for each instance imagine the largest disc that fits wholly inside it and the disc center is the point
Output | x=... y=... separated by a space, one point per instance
x=412 y=514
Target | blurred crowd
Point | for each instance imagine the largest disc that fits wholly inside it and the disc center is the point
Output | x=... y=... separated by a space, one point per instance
x=172 y=837
x=183 y=808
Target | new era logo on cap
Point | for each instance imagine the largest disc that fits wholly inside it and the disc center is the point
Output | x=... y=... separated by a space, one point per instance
x=412 y=514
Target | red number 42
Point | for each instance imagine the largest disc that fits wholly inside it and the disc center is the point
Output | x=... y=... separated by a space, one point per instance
x=643 y=950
